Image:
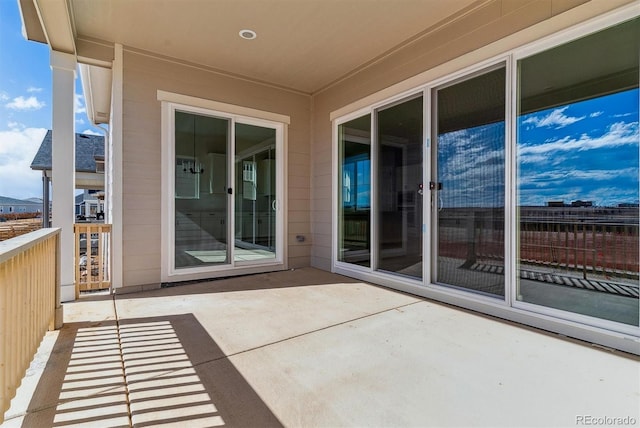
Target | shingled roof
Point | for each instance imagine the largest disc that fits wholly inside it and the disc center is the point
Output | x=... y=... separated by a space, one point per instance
x=88 y=148
x=5 y=200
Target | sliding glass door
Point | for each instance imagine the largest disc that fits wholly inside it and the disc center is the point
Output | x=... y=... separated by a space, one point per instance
x=379 y=222
x=226 y=210
x=255 y=193
x=468 y=183
x=354 y=191
x=578 y=171
x=201 y=217
x=399 y=178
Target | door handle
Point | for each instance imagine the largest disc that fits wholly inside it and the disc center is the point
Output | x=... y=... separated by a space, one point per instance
x=230 y=191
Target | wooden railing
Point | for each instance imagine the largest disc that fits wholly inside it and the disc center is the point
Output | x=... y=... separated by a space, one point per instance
x=92 y=262
x=29 y=303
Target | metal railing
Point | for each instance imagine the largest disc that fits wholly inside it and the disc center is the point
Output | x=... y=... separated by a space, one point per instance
x=29 y=303
x=92 y=261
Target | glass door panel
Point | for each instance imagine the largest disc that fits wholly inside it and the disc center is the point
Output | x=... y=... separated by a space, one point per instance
x=468 y=186
x=354 y=194
x=255 y=193
x=201 y=207
x=578 y=168
x=399 y=193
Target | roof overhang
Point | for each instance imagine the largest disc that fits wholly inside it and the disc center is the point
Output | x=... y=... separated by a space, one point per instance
x=51 y=22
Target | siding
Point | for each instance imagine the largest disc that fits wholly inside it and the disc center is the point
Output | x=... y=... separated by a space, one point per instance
x=144 y=75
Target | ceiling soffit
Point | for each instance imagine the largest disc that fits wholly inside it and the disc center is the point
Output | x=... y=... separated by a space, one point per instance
x=303 y=45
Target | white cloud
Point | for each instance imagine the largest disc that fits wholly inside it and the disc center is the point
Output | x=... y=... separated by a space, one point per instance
x=91 y=132
x=22 y=103
x=555 y=119
x=617 y=134
x=78 y=104
x=17 y=149
x=596 y=114
x=32 y=89
x=16 y=126
x=80 y=121
x=3 y=96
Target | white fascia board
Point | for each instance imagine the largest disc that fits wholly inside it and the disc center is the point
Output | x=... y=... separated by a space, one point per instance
x=55 y=18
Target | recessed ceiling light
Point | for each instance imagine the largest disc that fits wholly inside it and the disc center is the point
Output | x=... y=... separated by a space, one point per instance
x=248 y=34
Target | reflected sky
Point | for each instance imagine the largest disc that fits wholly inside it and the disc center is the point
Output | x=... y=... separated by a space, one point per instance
x=582 y=151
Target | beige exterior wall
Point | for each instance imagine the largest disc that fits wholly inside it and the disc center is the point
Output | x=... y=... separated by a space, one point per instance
x=144 y=75
x=497 y=27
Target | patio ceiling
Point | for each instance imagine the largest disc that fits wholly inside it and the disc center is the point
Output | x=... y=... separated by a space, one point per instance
x=303 y=45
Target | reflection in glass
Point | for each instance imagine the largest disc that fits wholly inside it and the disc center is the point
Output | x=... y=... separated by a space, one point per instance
x=200 y=190
x=400 y=188
x=354 y=195
x=469 y=195
x=255 y=193
x=577 y=149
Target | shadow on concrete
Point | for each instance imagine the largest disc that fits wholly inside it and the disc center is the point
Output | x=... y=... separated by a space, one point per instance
x=143 y=372
x=304 y=277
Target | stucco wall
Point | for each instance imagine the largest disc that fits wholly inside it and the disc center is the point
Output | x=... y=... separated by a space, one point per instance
x=143 y=76
x=492 y=29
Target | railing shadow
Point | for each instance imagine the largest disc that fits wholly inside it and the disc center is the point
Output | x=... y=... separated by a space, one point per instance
x=143 y=372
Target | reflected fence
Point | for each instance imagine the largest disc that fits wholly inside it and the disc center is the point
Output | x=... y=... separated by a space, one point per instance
x=592 y=242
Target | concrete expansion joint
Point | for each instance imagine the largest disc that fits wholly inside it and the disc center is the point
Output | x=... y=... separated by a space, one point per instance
x=373 y=314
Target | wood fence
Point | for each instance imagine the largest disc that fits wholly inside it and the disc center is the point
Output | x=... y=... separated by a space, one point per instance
x=92 y=263
x=13 y=228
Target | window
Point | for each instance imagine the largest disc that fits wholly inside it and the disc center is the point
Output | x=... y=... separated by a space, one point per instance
x=354 y=219
x=577 y=162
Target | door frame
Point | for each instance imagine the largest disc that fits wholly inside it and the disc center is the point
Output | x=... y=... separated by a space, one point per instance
x=170 y=103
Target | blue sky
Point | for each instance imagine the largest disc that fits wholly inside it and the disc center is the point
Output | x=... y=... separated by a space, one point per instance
x=25 y=105
x=586 y=151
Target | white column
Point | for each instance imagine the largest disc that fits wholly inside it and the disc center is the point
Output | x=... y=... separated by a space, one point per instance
x=63 y=165
x=116 y=165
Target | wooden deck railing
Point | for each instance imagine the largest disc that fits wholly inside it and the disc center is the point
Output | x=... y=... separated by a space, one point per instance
x=29 y=303
x=93 y=267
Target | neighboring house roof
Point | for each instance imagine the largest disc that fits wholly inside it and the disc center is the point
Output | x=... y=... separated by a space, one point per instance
x=88 y=148
x=5 y=200
x=79 y=198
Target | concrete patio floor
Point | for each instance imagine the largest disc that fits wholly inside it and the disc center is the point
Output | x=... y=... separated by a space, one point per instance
x=306 y=348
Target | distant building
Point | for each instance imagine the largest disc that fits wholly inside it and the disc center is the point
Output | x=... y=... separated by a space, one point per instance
x=89 y=169
x=90 y=205
x=17 y=206
x=580 y=203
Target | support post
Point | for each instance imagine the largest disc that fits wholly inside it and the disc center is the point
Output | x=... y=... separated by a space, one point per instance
x=63 y=68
